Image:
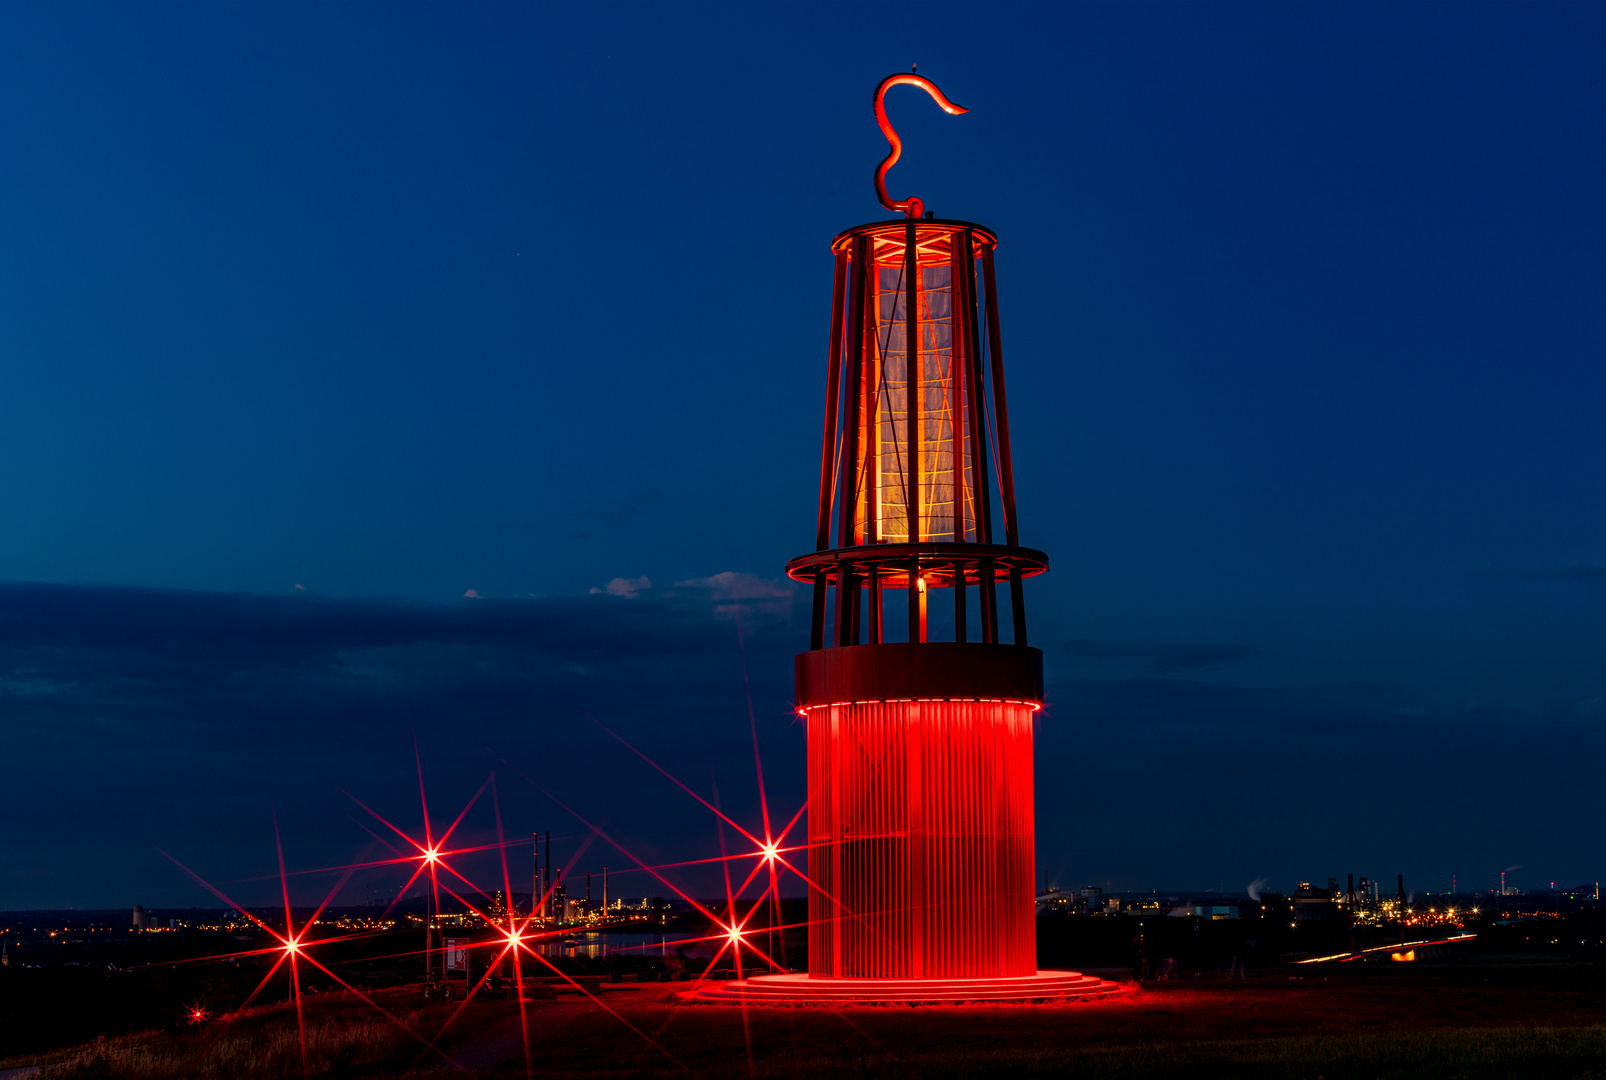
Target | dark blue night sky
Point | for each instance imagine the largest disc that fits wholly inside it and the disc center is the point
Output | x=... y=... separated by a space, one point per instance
x=350 y=352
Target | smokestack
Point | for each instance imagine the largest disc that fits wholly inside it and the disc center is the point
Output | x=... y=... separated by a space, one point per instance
x=588 y=890
x=1402 y=909
x=1349 y=913
x=546 y=875
x=604 y=888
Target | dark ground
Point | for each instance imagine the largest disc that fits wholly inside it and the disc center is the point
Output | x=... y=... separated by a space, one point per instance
x=1526 y=999
x=1521 y=1019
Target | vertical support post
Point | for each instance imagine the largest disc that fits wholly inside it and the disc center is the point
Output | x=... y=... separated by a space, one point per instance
x=874 y=604
x=1017 y=604
x=995 y=350
x=923 y=593
x=990 y=605
x=917 y=605
x=847 y=605
x=978 y=410
x=959 y=601
x=852 y=592
x=817 y=619
x=833 y=384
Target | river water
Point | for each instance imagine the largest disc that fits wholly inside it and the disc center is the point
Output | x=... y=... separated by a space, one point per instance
x=626 y=944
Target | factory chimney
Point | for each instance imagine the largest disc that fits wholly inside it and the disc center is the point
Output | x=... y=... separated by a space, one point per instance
x=1349 y=913
x=1402 y=909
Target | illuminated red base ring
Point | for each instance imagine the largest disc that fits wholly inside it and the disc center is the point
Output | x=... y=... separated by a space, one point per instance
x=802 y=990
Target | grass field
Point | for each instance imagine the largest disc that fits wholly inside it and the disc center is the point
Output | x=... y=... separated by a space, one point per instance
x=1517 y=1022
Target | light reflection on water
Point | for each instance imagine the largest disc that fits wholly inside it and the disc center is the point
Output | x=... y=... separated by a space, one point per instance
x=629 y=944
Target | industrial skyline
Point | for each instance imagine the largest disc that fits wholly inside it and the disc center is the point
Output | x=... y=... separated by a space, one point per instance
x=380 y=379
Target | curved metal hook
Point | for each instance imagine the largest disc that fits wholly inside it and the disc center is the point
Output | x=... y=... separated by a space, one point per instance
x=912 y=206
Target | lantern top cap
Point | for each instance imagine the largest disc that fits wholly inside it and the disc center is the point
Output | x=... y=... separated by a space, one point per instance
x=927 y=226
x=936 y=240
x=912 y=206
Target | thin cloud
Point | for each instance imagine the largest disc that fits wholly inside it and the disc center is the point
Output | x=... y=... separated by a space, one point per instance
x=630 y=588
x=1157 y=657
x=1557 y=572
x=735 y=593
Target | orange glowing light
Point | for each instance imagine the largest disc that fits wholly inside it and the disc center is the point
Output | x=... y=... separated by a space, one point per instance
x=431 y=855
x=735 y=934
x=771 y=852
x=292 y=947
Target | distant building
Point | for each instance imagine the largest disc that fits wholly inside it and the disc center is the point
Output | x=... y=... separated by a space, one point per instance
x=142 y=918
x=1277 y=908
x=1053 y=900
x=1214 y=912
x=1314 y=904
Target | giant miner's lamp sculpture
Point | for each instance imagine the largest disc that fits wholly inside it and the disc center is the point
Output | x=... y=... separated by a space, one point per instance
x=920 y=813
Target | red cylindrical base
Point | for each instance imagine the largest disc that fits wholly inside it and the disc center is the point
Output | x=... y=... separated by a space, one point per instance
x=920 y=839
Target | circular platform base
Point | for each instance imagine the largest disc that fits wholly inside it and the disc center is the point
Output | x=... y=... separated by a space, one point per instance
x=801 y=989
